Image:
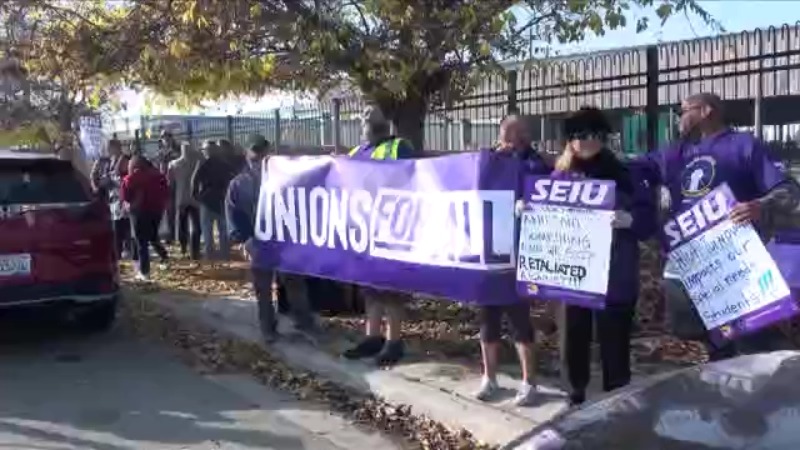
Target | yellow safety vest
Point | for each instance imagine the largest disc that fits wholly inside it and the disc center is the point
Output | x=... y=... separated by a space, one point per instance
x=386 y=150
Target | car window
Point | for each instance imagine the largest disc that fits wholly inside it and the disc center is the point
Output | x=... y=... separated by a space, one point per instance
x=35 y=184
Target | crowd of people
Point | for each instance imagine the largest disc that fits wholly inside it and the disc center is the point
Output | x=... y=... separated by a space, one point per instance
x=183 y=184
x=220 y=188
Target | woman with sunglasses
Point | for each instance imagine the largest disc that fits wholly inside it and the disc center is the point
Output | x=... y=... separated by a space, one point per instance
x=587 y=156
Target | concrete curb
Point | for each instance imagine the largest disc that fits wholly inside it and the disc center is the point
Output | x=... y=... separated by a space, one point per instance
x=427 y=396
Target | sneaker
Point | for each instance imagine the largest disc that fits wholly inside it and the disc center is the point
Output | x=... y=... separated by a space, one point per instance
x=141 y=277
x=370 y=346
x=488 y=389
x=525 y=394
x=391 y=353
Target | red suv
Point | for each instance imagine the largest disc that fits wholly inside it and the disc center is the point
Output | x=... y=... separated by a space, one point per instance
x=56 y=241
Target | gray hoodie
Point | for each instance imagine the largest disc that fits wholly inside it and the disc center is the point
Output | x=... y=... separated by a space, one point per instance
x=179 y=173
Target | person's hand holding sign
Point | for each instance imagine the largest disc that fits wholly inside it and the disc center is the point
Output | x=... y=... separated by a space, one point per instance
x=622 y=219
x=747 y=212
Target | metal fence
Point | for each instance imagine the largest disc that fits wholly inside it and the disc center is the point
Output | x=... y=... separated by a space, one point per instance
x=757 y=73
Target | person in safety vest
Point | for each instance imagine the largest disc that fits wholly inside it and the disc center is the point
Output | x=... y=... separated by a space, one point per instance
x=380 y=145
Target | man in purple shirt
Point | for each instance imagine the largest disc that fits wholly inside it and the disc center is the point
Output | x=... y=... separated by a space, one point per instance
x=709 y=154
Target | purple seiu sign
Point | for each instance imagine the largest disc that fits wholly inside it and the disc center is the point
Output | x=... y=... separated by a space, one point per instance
x=725 y=268
x=565 y=240
x=439 y=226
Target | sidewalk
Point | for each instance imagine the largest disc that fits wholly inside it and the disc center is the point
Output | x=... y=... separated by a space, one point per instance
x=441 y=391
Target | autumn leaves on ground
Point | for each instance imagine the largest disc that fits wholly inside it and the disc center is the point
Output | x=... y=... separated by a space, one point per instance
x=436 y=330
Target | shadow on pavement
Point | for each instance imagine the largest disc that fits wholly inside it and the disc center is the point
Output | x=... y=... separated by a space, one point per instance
x=64 y=389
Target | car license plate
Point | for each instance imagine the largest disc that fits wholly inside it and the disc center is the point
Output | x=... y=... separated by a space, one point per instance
x=11 y=265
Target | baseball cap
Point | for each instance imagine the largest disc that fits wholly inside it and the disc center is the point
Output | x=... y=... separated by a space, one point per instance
x=257 y=143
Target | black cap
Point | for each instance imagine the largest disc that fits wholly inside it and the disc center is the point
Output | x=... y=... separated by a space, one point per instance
x=588 y=119
x=257 y=143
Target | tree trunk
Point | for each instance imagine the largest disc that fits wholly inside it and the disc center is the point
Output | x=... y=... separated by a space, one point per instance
x=408 y=118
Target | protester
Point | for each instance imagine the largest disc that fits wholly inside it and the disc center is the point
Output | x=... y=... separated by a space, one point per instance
x=708 y=154
x=515 y=141
x=240 y=209
x=587 y=156
x=381 y=145
x=106 y=177
x=233 y=154
x=168 y=151
x=209 y=185
x=179 y=174
x=146 y=191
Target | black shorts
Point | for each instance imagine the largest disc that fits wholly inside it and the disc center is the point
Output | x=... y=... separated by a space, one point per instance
x=519 y=317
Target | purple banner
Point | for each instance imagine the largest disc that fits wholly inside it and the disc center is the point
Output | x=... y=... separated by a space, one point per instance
x=440 y=226
x=726 y=269
x=565 y=240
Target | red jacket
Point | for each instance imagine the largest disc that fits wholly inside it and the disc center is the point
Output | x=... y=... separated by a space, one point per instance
x=146 y=190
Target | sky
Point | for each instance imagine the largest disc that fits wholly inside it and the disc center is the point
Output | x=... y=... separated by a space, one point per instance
x=734 y=15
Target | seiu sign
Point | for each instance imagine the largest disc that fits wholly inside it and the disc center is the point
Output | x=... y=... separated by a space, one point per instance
x=710 y=210
x=590 y=193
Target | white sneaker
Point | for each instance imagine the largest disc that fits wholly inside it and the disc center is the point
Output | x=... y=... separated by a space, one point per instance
x=489 y=388
x=525 y=395
x=141 y=277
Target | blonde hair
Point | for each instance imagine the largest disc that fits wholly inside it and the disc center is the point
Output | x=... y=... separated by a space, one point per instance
x=565 y=159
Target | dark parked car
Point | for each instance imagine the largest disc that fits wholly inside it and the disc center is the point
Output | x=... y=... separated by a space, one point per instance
x=56 y=241
x=751 y=402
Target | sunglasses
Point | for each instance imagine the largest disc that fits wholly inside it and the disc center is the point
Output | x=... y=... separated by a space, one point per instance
x=586 y=135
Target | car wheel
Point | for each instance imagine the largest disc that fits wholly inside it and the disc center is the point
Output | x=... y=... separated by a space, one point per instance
x=98 y=318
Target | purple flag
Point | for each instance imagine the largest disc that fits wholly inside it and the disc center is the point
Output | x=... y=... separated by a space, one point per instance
x=726 y=269
x=440 y=226
x=565 y=240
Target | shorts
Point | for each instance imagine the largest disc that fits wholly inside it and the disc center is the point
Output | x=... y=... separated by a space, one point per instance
x=519 y=317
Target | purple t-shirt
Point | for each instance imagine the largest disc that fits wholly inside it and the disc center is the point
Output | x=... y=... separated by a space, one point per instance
x=690 y=171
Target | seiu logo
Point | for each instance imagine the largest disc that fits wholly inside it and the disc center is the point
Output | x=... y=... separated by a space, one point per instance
x=452 y=228
x=706 y=212
x=585 y=192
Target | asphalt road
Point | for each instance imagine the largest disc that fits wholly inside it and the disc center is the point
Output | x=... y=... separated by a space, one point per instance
x=59 y=390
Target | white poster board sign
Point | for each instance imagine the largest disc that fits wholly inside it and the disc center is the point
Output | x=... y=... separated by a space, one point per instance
x=728 y=273
x=566 y=247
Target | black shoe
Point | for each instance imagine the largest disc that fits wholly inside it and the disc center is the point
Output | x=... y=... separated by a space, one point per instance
x=577 y=399
x=370 y=346
x=391 y=353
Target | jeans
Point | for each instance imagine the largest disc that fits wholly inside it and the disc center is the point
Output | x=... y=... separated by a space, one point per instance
x=122 y=236
x=297 y=296
x=189 y=230
x=145 y=231
x=209 y=218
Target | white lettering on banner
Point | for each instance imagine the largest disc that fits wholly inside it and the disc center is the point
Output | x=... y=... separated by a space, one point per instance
x=466 y=229
x=727 y=272
x=690 y=222
x=566 y=247
x=569 y=191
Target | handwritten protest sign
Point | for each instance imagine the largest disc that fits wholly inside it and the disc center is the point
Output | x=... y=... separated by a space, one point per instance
x=726 y=269
x=565 y=240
